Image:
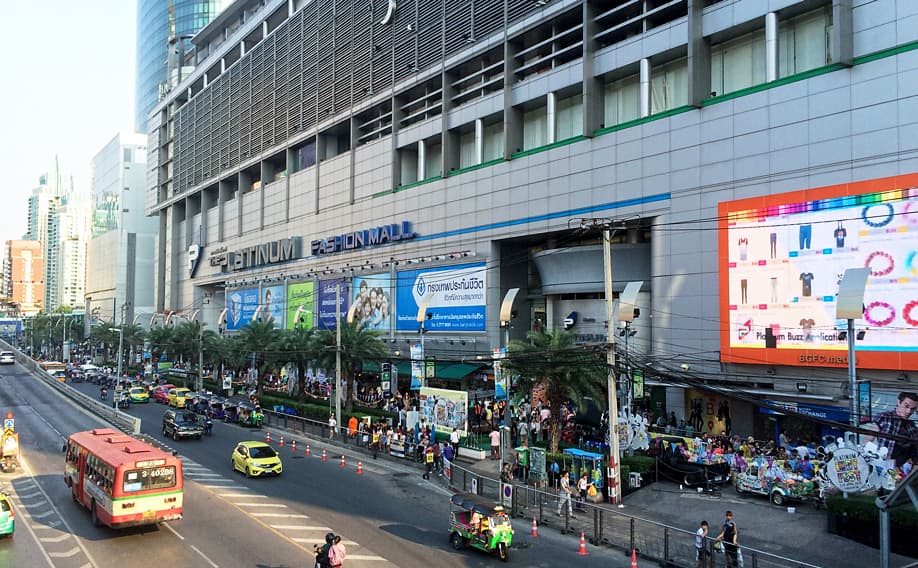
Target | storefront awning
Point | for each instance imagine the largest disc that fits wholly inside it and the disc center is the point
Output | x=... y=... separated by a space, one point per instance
x=370 y=366
x=404 y=368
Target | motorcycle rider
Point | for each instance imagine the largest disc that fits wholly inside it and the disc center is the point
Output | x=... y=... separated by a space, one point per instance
x=322 y=560
x=103 y=394
x=208 y=425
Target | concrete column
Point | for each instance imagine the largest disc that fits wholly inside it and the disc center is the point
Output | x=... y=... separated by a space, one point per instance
x=699 y=56
x=842 y=38
x=241 y=49
x=513 y=118
x=422 y=160
x=264 y=29
x=551 y=101
x=593 y=109
x=771 y=46
x=645 y=87
x=222 y=65
x=479 y=141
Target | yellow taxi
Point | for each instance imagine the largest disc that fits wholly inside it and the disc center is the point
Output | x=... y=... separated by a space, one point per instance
x=178 y=396
x=139 y=395
x=256 y=459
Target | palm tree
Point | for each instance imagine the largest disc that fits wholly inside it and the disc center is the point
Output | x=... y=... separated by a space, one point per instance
x=358 y=344
x=300 y=346
x=190 y=337
x=261 y=339
x=565 y=369
x=160 y=339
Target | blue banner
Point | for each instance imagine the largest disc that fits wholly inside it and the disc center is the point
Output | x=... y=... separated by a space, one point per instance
x=373 y=297
x=456 y=297
x=327 y=311
x=272 y=305
x=240 y=307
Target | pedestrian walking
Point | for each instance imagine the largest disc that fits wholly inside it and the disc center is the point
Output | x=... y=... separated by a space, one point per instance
x=582 y=485
x=428 y=461
x=700 y=535
x=454 y=440
x=332 y=425
x=729 y=536
x=564 y=495
x=495 y=443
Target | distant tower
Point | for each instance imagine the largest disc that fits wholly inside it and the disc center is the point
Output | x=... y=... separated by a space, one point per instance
x=164 y=30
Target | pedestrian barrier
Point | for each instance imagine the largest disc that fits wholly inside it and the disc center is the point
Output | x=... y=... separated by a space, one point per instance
x=324 y=458
x=282 y=441
x=308 y=452
x=582 y=551
x=535 y=527
x=342 y=461
x=359 y=466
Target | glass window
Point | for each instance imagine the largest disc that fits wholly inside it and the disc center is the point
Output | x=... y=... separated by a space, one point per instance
x=569 y=117
x=467 y=156
x=535 y=128
x=433 y=160
x=803 y=43
x=493 y=141
x=669 y=86
x=622 y=100
x=738 y=64
x=306 y=156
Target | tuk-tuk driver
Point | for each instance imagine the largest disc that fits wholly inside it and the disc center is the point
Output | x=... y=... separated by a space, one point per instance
x=484 y=526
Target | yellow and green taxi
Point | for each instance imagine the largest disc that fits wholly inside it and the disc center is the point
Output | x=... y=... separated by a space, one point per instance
x=256 y=459
x=139 y=394
x=7 y=522
x=178 y=397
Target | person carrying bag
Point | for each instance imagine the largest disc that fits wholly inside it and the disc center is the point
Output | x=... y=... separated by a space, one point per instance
x=337 y=553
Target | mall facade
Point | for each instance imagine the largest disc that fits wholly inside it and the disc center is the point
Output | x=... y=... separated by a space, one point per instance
x=431 y=156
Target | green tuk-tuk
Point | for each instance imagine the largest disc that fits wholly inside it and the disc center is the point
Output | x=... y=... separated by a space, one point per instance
x=250 y=414
x=477 y=523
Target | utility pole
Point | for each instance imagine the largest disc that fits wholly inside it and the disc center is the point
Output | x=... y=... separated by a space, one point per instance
x=337 y=352
x=615 y=488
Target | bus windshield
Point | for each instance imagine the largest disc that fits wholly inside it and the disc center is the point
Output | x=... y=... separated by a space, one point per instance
x=149 y=478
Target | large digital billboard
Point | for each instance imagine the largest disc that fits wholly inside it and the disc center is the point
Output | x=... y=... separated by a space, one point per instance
x=300 y=299
x=373 y=298
x=456 y=295
x=241 y=304
x=782 y=257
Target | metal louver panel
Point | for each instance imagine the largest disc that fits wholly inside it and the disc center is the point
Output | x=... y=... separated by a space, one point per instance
x=459 y=25
x=430 y=34
x=487 y=16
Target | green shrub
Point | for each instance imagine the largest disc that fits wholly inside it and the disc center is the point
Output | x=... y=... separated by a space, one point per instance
x=864 y=508
x=640 y=464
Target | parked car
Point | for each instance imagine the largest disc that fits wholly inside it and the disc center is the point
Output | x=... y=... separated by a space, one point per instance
x=180 y=424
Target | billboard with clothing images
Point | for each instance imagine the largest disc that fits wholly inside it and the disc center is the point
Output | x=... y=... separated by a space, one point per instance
x=241 y=304
x=782 y=257
x=445 y=409
x=372 y=296
x=456 y=297
x=300 y=298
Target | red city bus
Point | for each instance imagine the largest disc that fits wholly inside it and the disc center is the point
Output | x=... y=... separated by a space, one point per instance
x=122 y=481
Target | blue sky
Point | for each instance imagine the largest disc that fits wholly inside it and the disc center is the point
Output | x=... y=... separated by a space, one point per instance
x=67 y=89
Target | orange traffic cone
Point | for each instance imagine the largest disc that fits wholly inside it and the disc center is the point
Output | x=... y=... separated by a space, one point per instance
x=634 y=558
x=535 y=527
x=293 y=445
x=582 y=551
x=359 y=467
x=308 y=452
x=342 y=461
x=267 y=437
x=323 y=455
x=282 y=441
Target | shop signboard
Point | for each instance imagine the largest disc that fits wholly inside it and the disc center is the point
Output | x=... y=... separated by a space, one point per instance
x=417 y=366
x=272 y=305
x=445 y=409
x=781 y=260
x=500 y=378
x=300 y=299
x=241 y=304
x=455 y=296
x=373 y=297
x=328 y=289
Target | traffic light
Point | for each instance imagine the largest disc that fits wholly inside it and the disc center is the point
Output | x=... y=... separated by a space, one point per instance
x=385 y=371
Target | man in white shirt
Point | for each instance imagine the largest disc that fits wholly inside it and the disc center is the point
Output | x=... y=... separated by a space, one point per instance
x=565 y=494
x=700 y=536
x=454 y=441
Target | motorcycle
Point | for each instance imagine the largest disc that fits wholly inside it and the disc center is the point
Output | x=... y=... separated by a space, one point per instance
x=103 y=394
x=208 y=426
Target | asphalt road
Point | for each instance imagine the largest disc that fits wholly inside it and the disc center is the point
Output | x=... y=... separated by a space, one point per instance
x=388 y=516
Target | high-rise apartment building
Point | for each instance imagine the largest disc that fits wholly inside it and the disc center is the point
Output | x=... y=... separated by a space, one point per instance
x=119 y=278
x=24 y=275
x=46 y=199
x=164 y=31
x=69 y=235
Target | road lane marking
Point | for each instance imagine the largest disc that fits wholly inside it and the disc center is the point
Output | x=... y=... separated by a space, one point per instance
x=28 y=495
x=204 y=556
x=68 y=554
x=365 y=557
x=280 y=515
x=247 y=495
x=279 y=505
x=54 y=538
x=194 y=475
x=175 y=532
x=301 y=528
x=40 y=515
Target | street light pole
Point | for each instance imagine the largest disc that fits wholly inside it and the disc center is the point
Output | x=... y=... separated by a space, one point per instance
x=337 y=354
x=614 y=466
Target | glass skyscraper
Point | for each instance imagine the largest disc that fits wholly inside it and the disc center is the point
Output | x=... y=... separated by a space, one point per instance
x=154 y=27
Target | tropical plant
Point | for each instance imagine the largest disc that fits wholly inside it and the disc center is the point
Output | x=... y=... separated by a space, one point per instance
x=160 y=340
x=301 y=347
x=260 y=338
x=358 y=344
x=566 y=370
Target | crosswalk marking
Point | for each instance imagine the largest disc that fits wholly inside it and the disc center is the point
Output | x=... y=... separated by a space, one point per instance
x=280 y=515
x=279 y=505
x=300 y=528
x=54 y=538
x=67 y=554
x=248 y=495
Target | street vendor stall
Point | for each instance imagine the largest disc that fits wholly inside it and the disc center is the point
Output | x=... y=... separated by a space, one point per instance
x=586 y=461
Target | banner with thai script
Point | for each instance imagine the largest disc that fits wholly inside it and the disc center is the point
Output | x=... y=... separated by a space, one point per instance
x=327 y=312
x=456 y=297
